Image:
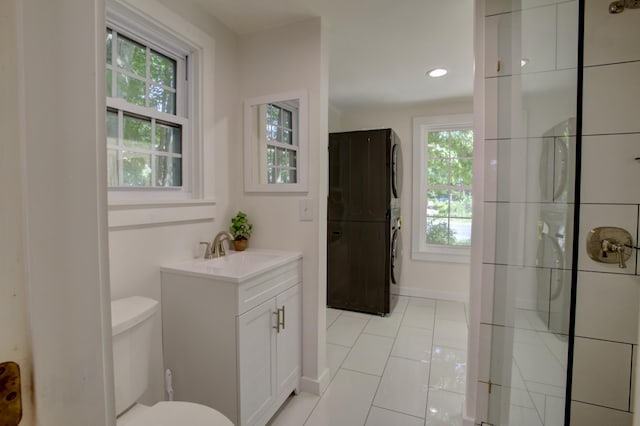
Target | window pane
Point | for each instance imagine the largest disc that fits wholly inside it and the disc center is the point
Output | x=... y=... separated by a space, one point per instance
x=438 y=231
x=438 y=203
x=131 y=89
x=168 y=171
x=283 y=176
x=136 y=169
x=293 y=176
x=137 y=133
x=438 y=171
x=461 y=204
x=286 y=136
x=109 y=46
x=163 y=100
x=449 y=165
x=162 y=69
x=168 y=138
x=436 y=151
x=451 y=143
x=273 y=115
x=287 y=122
x=461 y=171
x=286 y=158
x=438 y=145
x=461 y=143
x=112 y=167
x=271 y=175
x=461 y=232
x=271 y=156
x=109 y=81
x=272 y=132
x=112 y=128
x=132 y=56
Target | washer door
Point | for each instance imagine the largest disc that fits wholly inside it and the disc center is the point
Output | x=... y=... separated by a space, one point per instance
x=554 y=285
x=396 y=259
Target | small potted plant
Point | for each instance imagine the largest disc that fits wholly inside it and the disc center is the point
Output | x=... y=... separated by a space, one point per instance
x=241 y=230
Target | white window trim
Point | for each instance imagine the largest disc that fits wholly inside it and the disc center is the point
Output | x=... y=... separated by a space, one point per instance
x=420 y=250
x=255 y=161
x=133 y=22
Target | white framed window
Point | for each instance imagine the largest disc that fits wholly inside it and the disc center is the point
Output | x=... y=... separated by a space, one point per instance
x=275 y=143
x=442 y=200
x=150 y=116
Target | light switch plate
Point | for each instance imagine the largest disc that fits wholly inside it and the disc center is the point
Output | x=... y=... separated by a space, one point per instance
x=306 y=209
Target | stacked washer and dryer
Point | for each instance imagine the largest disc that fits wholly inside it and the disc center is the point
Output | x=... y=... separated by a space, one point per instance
x=554 y=226
x=363 y=220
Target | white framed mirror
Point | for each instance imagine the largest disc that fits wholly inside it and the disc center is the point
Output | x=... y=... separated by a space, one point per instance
x=276 y=143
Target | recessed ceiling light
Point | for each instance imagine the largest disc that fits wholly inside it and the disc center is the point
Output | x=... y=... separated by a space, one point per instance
x=523 y=62
x=437 y=72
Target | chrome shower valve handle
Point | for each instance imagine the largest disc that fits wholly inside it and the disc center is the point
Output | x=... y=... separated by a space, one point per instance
x=605 y=241
x=613 y=247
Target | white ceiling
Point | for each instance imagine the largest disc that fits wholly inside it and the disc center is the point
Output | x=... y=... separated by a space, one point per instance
x=379 y=50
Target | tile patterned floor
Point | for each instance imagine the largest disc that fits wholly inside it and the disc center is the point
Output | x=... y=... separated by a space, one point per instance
x=538 y=369
x=406 y=369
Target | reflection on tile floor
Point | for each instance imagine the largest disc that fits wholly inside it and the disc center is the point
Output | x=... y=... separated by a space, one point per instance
x=536 y=393
x=404 y=369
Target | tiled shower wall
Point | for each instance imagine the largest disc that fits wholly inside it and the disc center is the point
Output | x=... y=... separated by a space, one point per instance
x=606 y=342
x=607 y=296
x=530 y=115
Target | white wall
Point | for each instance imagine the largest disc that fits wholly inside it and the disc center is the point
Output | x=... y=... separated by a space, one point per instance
x=14 y=335
x=335 y=119
x=136 y=253
x=419 y=278
x=62 y=136
x=275 y=216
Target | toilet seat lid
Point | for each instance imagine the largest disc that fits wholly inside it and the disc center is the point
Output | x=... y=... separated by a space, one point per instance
x=175 y=413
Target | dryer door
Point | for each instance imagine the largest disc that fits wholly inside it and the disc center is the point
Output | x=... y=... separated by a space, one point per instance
x=396 y=170
x=396 y=259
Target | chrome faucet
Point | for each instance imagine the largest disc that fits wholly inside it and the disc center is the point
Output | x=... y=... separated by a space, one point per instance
x=207 y=250
x=217 y=247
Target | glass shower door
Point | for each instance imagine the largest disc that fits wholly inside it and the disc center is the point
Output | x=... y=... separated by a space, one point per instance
x=529 y=148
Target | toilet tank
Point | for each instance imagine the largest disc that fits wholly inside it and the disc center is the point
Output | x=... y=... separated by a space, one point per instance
x=132 y=320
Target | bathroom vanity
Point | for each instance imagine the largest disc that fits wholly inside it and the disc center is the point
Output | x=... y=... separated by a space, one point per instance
x=231 y=330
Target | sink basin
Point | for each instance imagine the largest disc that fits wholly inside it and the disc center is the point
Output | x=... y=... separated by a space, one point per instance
x=235 y=266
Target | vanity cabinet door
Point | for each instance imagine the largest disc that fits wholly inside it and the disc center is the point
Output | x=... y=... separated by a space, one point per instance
x=289 y=340
x=257 y=361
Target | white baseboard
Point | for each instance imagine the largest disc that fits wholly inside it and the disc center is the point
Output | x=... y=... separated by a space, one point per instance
x=527 y=304
x=430 y=294
x=466 y=421
x=316 y=386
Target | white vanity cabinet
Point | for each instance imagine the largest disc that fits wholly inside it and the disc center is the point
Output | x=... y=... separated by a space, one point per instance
x=269 y=355
x=234 y=346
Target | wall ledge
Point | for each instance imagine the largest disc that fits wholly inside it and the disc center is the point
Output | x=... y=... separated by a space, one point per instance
x=156 y=213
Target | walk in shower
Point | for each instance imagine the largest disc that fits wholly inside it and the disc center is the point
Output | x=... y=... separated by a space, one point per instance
x=557 y=321
x=531 y=123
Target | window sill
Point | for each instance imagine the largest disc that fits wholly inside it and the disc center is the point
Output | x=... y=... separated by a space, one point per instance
x=127 y=214
x=444 y=255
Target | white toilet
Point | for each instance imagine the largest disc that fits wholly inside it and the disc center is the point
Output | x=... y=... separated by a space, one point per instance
x=131 y=325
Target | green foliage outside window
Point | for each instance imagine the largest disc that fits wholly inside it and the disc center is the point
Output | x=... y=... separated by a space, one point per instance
x=449 y=179
x=145 y=78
